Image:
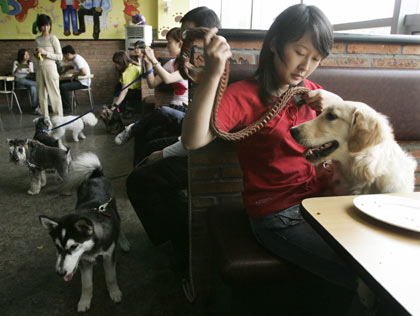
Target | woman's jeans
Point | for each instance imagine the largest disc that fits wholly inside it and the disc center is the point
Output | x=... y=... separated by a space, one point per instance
x=289 y=236
x=31 y=85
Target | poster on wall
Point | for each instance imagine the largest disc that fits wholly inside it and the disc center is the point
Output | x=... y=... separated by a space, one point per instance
x=72 y=19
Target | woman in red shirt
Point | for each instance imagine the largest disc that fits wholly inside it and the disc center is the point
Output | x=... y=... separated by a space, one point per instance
x=276 y=176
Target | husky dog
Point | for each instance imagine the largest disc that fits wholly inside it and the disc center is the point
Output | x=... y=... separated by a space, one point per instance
x=39 y=157
x=75 y=127
x=112 y=120
x=43 y=126
x=92 y=231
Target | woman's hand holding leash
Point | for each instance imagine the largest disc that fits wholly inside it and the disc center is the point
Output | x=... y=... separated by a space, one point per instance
x=216 y=53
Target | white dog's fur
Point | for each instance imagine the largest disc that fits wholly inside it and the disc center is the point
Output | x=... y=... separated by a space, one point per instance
x=76 y=127
x=370 y=158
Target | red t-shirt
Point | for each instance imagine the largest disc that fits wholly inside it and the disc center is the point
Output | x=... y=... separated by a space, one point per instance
x=275 y=173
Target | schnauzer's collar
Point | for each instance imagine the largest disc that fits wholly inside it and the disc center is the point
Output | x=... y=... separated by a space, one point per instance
x=102 y=208
x=43 y=131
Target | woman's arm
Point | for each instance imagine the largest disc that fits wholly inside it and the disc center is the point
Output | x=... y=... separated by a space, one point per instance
x=196 y=131
x=152 y=80
x=57 y=54
x=118 y=99
x=165 y=76
x=31 y=66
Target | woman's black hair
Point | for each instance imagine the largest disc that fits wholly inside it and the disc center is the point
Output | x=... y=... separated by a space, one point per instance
x=42 y=20
x=288 y=27
x=174 y=33
x=68 y=49
x=202 y=16
x=121 y=58
x=140 y=44
x=21 y=55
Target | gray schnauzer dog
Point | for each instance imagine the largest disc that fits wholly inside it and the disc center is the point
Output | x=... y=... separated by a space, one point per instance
x=39 y=157
x=43 y=127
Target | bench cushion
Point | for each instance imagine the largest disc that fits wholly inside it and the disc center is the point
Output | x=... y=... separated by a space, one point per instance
x=240 y=259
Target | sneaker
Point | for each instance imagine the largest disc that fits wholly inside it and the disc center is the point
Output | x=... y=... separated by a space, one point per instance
x=125 y=135
x=37 y=111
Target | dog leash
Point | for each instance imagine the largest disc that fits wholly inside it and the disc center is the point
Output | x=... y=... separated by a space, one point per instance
x=116 y=94
x=126 y=87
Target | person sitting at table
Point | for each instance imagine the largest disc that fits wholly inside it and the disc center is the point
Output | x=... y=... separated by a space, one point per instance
x=80 y=67
x=22 y=68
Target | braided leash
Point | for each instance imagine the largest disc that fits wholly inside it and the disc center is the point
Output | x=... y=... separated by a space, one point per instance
x=187 y=72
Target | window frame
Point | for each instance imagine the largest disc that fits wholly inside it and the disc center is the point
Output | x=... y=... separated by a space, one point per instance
x=403 y=21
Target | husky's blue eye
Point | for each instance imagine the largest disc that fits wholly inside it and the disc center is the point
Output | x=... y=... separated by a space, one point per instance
x=331 y=116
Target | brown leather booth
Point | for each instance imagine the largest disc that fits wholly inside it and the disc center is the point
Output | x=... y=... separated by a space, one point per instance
x=393 y=92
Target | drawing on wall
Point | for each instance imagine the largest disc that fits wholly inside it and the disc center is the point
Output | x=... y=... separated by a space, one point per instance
x=130 y=9
x=97 y=10
x=82 y=19
x=163 y=30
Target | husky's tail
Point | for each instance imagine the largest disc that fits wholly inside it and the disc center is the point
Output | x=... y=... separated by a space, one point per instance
x=86 y=165
x=90 y=119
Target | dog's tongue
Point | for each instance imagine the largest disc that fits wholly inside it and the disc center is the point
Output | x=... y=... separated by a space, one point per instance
x=68 y=277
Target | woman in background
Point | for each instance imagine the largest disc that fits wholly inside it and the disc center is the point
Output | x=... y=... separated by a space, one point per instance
x=48 y=51
x=22 y=67
x=130 y=95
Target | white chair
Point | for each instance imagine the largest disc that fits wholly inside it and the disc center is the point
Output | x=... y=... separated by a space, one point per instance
x=88 y=89
x=4 y=89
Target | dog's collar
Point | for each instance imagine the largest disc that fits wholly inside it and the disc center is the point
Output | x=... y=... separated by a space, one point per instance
x=102 y=208
x=44 y=131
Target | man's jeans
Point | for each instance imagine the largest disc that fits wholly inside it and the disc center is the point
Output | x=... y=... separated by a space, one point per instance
x=65 y=88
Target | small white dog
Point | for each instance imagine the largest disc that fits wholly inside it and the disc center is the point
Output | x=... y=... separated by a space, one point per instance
x=362 y=140
x=75 y=127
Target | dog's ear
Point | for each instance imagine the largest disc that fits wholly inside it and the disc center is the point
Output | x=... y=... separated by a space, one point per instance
x=365 y=131
x=84 y=225
x=47 y=222
x=36 y=120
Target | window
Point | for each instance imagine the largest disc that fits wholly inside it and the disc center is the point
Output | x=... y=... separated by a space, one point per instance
x=351 y=16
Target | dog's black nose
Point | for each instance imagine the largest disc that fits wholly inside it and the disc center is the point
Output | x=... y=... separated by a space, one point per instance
x=295 y=132
x=61 y=272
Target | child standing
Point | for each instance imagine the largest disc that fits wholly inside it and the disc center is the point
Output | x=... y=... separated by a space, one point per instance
x=22 y=67
x=48 y=51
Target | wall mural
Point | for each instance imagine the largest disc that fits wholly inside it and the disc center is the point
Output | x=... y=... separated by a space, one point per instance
x=72 y=19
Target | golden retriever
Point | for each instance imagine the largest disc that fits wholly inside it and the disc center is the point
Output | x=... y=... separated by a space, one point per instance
x=362 y=140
